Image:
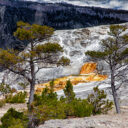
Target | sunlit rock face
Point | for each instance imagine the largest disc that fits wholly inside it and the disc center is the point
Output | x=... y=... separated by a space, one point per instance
x=88 y=73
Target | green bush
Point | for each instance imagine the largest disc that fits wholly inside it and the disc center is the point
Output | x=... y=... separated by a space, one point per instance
x=23 y=85
x=17 y=125
x=17 y=98
x=73 y=106
x=68 y=109
x=47 y=112
x=14 y=119
x=5 y=89
x=78 y=108
x=48 y=96
x=99 y=101
x=82 y=108
x=2 y=103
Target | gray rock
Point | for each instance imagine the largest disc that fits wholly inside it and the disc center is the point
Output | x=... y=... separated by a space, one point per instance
x=99 y=121
x=70 y=123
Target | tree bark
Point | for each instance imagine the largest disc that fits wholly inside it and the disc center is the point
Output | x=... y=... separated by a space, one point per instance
x=114 y=92
x=116 y=100
x=32 y=82
x=31 y=97
x=32 y=90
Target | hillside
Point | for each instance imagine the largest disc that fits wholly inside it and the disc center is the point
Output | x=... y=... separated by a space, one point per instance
x=57 y=15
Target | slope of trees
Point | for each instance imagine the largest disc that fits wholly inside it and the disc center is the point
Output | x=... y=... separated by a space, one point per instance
x=114 y=52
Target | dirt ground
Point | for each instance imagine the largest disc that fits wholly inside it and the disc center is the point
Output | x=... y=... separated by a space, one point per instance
x=19 y=107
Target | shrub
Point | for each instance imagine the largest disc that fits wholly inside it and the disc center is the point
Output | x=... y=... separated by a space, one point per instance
x=5 y=89
x=23 y=85
x=69 y=109
x=47 y=97
x=14 y=119
x=63 y=61
x=17 y=98
x=82 y=108
x=2 y=103
x=46 y=112
x=78 y=108
x=99 y=102
x=17 y=125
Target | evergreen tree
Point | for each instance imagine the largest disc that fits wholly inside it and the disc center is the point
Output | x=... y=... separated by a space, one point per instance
x=68 y=91
x=27 y=63
x=99 y=102
x=114 y=52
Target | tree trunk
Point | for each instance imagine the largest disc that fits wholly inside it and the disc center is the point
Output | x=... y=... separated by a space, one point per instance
x=32 y=82
x=31 y=97
x=31 y=123
x=114 y=92
x=116 y=100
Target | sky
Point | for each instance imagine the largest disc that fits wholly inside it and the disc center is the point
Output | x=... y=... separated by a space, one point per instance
x=117 y=4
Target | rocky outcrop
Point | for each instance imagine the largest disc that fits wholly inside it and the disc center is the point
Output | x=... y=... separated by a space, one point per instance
x=59 y=16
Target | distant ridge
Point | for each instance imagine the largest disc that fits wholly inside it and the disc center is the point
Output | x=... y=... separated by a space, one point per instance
x=57 y=15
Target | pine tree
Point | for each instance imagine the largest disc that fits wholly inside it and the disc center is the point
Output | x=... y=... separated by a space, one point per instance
x=68 y=91
x=114 y=52
x=99 y=102
x=27 y=63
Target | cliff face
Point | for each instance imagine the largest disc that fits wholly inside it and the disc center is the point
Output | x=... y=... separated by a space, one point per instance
x=59 y=16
